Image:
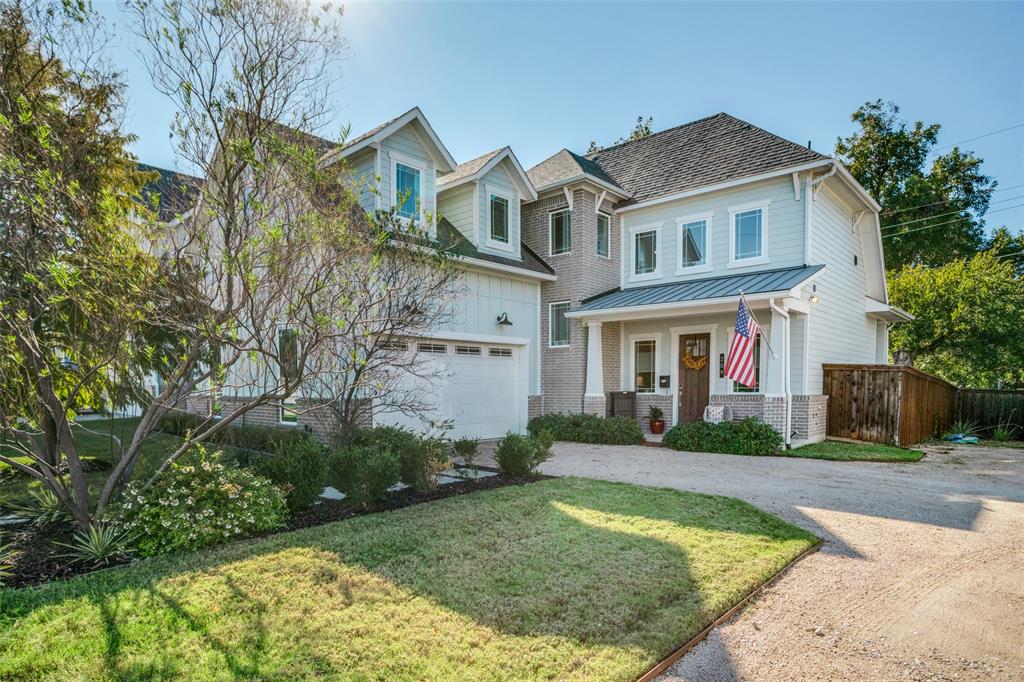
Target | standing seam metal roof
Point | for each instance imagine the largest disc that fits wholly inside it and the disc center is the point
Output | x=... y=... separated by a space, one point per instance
x=700 y=289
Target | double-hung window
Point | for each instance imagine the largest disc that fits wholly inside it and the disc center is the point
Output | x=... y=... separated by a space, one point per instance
x=561 y=232
x=644 y=354
x=747 y=235
x=558 y=324
x=499 y=219
x=694 y=243
x=407 y=190
x=604 y=235
x=645 y=252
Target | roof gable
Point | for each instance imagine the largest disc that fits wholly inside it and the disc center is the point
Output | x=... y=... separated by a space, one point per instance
x=474 y=169
x=442 y=157
x=173 y=193
x=565 y=166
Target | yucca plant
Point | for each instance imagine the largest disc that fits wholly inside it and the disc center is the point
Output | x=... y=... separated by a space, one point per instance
x=42 y=507
x=6 y=562
x=963 y=427
x=99 y=545
x=1004 y=433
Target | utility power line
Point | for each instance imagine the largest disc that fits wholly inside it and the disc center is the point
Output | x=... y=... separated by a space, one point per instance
x=944 y=201
x=948 y=222
x=972 y=139
x=941 y=215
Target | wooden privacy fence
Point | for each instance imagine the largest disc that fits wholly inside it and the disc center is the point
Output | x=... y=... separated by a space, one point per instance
x=991 y=408
x=888 y=404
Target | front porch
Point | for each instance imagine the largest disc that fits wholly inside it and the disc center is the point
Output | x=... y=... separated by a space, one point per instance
x=673 y=356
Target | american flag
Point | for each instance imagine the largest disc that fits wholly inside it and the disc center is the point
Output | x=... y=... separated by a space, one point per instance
x=740 y=364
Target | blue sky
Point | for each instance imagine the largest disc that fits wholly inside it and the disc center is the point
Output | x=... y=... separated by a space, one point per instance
x=542 y=76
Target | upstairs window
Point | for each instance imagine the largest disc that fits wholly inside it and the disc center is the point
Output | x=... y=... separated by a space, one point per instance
x=499 y=219
x=693 y=242
x=645 y=252
x=559 y=323
x=561 y=238
x=407 y=190
x=604 y=229
x=747 y=235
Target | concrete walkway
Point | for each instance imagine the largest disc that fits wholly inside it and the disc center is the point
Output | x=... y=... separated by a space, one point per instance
x=921 y=576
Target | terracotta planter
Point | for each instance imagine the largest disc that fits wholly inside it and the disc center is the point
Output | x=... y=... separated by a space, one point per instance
x=657 y=426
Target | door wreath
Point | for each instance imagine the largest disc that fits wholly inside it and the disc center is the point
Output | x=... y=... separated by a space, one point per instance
x=693 y=363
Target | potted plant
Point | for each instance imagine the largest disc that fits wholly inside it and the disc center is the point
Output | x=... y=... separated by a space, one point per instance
x=655 y=416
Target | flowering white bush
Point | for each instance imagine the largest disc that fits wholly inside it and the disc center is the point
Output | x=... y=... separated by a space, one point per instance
x=199 y=501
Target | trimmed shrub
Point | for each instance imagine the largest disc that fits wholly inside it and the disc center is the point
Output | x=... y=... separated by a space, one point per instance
x=200 y=501
x=466 y=449
x=363 y=473
x=421 y=459
x=589 y=428
x=298 y=468
x=519 y=455
x=748 y=437
x=244 y=445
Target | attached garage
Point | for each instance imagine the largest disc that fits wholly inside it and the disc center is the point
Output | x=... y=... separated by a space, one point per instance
x=481 y=387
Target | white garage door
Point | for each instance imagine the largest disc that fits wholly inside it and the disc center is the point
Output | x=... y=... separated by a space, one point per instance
x=481 y=389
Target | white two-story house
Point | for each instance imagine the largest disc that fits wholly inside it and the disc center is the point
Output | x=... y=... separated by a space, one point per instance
x=622 y=271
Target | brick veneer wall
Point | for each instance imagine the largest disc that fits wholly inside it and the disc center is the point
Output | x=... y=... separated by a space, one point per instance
x=319 y=420
x=581 y=273
x=809 y=417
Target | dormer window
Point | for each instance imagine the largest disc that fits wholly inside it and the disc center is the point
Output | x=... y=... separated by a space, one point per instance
x=499 y=219
x=407 y=190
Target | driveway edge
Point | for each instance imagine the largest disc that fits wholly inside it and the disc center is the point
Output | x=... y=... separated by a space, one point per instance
x=667 y=662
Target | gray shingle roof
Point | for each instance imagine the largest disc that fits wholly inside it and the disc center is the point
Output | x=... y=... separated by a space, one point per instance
x=468 y=168
x=563 y=166
x=450 y=237
x=703 y=152
x=173 y=193
x=702 y=289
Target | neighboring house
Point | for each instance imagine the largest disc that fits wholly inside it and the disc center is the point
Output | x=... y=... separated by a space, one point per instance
x=621 y=271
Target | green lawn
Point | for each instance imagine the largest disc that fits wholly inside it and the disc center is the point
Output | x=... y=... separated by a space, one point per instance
x=859 y=452
x=563 y=578
x=97 y=446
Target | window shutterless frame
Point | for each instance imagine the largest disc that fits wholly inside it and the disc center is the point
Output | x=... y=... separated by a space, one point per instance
x=558 y=324
x=646 y=264
x=744 y=216
x=604 y=235
x=686 y=228
x=502 y=197
x=559 y=232
x=414 y=165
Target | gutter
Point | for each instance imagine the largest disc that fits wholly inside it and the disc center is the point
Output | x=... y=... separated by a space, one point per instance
x=788 y=391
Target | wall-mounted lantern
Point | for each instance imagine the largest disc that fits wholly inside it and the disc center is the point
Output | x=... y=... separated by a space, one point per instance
x=503 y=320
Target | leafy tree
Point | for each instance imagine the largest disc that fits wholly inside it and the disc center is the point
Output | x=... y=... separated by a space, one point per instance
x=641 y=129
x=1009 y=247
x=969 y=316
x=930 y=214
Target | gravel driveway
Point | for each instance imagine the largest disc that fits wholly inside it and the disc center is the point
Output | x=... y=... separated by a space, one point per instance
x=921 y=576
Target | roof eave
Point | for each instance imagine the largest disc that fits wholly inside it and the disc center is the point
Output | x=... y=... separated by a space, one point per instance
x=586 y=177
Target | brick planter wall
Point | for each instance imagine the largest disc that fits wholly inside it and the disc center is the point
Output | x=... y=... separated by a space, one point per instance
x=643 y=406
x=809 y=417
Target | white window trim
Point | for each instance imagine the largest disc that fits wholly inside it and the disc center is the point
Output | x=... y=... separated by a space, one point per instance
x=741 y=208
x=416 y=164
x=280 y=413
x=551 y=241
x=510 y=198
x=634 y=232
x=762 y=356
x=609 y=255
x=658 y=339
x=551 y=326
x=685 y=220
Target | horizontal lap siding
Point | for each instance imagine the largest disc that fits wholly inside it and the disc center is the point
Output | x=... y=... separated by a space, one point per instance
x=407 y=143
x=840 y=331
x=457 y=207
x=784 y=239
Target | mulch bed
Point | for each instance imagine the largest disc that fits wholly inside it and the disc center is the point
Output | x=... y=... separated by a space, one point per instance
x=38 y=557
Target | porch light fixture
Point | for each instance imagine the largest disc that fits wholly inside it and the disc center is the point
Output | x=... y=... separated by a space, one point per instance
x=504 y=321
x=814 y=294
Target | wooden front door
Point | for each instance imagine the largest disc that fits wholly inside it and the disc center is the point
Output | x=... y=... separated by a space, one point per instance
x=694 y=376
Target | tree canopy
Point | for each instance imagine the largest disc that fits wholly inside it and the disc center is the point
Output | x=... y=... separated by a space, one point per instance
x=641 y=129
x=931 y=212
x=970 y=313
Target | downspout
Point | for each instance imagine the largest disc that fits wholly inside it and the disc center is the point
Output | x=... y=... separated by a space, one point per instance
x=785 y=368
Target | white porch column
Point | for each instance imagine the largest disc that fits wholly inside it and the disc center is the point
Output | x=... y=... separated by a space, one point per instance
x=775 y=373
x=595 y=361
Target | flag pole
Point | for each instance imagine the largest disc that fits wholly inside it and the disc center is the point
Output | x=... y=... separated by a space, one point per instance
x=750 y=311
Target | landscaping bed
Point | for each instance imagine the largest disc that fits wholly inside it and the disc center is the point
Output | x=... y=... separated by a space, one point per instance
x=841 y=451
x=563 y=578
